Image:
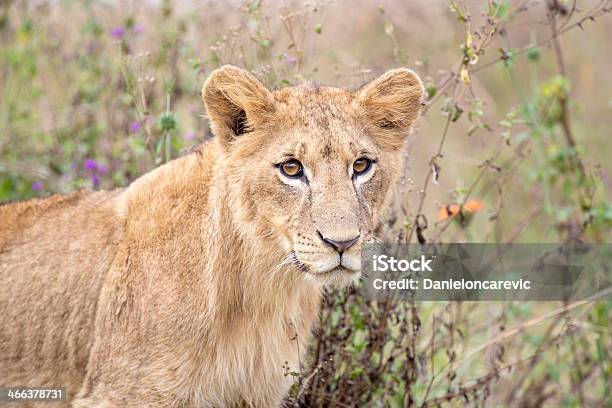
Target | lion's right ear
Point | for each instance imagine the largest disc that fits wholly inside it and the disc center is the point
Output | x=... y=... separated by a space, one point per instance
x=236 y=102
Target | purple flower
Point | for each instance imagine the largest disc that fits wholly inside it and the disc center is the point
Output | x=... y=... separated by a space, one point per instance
x=102 y=169
x=37 y=186
x=118 y=32
x=189 y=135
x=135 y=127
x=138 y=29
x=90 y=164
x=95 y=180
x=289 y=59
x=94 y=167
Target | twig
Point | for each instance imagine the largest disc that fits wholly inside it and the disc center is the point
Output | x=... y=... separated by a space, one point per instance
x=428 y=177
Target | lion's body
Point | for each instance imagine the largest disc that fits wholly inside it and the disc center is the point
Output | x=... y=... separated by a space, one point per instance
x=85 y=288
x=176 y=291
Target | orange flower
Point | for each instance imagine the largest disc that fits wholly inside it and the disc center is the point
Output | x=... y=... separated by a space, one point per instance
x=448 y=211
x=451 y=210
x=473 y=206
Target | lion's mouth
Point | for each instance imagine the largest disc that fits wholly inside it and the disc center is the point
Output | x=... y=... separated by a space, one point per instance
x=338 y=269
x=341 y=269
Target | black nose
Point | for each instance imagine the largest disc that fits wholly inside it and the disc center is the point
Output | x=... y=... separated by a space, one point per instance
x=339 y=246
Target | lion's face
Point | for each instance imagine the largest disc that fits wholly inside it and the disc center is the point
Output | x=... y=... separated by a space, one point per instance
x=309 y=168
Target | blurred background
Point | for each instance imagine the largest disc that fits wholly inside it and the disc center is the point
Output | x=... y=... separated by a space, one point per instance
x=514 y=146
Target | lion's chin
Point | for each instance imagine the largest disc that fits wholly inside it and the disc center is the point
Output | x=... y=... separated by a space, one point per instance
x=339 y=276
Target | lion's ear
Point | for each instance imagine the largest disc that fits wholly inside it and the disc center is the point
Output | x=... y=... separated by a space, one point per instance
x=392 y=103
x=235 y=102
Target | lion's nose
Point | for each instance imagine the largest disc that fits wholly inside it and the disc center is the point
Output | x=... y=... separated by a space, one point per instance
x=339 y=246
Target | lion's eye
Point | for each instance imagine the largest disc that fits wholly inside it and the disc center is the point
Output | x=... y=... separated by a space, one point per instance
x=361 y=166
x=292 y=169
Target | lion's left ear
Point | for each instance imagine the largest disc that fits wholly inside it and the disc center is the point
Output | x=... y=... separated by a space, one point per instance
x=392 y=103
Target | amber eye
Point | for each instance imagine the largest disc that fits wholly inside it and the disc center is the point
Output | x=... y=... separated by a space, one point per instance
x=361 y=165
x=292 y=169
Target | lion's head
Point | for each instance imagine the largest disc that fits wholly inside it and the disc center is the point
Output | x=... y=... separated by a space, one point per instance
x=309 y=168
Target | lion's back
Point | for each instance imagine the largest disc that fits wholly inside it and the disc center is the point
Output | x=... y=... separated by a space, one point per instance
x=54 y=254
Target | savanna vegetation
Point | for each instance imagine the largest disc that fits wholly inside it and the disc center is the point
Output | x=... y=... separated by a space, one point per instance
x=513 y=147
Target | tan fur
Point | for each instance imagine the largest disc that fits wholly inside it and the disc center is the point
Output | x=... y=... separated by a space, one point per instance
x=196 y=284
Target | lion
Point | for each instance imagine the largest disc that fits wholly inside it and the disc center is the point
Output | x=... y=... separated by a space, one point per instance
x=198 y=284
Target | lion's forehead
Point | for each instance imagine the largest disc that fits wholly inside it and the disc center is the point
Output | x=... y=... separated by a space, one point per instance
x=319 y=120
x=316 y=106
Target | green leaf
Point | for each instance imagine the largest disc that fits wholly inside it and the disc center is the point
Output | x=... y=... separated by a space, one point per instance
x=6 y=186
x=457 y=112
x=167 y=122
x=359 y=340
x=533 y=54
x=431 y=90
x=356 y=373
x=553 y=371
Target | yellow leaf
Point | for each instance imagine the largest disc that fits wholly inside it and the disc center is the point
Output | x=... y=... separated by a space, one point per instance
x=464 y=75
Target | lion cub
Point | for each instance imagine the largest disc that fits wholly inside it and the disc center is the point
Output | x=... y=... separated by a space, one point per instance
x=193 y=286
